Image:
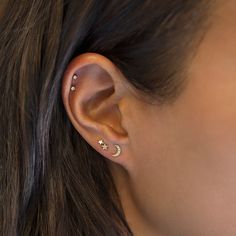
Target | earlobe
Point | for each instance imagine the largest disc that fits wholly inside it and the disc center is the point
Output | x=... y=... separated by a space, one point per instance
x=91 y=96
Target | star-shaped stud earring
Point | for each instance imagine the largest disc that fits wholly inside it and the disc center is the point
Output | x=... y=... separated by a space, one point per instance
x=103 y=145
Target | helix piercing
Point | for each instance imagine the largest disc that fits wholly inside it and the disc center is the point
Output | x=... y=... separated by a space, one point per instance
x=72 y=88
x=74 y=77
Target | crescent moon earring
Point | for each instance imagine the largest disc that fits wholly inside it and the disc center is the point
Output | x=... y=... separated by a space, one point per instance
x=118 y=151
x=104 y=146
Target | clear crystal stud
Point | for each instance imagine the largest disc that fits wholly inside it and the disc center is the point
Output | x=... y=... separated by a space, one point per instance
x=75 y=77
x=72 y=88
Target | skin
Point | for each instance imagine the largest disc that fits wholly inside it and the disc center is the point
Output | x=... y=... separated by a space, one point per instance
x=176 y=174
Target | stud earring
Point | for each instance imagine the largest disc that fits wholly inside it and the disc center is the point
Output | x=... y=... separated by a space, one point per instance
x=72 y=88
x=74 y=77
x=103 y=144
x=118 y=151
x=105 y=147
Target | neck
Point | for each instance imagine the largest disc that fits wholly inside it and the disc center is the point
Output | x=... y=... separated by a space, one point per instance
x=137 y=222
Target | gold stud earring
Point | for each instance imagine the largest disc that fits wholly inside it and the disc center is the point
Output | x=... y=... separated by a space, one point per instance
x=118 y=151
x=105 y=147
x=103 y=144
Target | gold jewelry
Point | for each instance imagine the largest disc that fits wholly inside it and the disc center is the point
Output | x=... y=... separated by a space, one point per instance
x=103 y=145
x=118 y=151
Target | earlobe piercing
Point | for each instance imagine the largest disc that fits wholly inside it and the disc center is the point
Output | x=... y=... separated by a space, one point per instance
x=118 y=151
x=105 y=147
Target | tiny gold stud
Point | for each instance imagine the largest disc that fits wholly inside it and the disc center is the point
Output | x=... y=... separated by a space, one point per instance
x=103 y=145
x=118 y=150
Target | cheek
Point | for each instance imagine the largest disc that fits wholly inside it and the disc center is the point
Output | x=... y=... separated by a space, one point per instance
x=184 y=174
x=209 y=128
x=185 y=170
x=205 y=180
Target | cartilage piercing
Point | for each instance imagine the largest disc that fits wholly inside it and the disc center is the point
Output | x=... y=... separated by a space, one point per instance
x=74 y=77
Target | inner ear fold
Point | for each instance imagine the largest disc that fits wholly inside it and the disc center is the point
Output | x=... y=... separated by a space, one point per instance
x=99 y=105
x=100 y=92
x=104 y=108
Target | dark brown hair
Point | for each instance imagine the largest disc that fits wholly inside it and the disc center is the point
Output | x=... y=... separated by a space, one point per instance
x=52 y=182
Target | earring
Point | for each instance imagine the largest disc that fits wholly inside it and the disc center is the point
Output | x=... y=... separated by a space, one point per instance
x=103 y=145
x=118 y=151
x=72 y=88
x=74 y=77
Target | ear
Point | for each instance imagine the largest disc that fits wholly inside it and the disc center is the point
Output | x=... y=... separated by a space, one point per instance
x=93 y=93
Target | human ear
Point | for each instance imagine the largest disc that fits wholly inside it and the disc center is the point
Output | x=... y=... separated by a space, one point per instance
x=93 y=92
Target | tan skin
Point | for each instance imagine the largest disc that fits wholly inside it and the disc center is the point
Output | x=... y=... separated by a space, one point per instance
x=176 y=174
